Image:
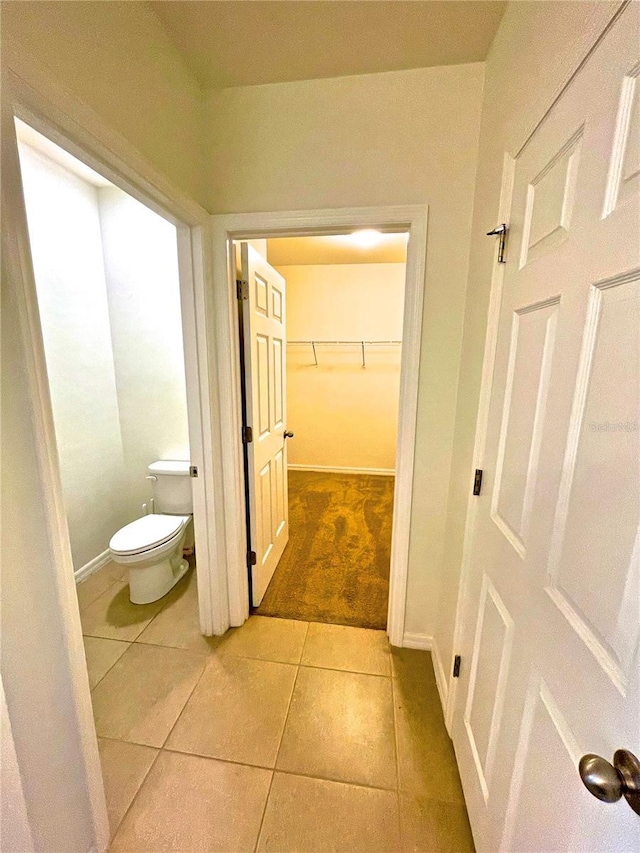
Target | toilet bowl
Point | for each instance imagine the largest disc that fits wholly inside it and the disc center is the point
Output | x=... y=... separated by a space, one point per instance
x=152 y=546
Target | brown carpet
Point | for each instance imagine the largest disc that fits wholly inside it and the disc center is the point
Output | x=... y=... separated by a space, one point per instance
x=335 y=567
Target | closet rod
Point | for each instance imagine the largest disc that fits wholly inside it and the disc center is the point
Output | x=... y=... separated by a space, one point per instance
x=361 y=344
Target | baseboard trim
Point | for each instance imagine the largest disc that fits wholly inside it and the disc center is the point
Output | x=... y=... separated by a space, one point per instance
x=92 y=566
x=336 y=469
x=441 y=680
x=413 y=640
x=425 y=642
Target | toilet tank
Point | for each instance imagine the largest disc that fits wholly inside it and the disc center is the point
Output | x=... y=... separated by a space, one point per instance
x=171 y=487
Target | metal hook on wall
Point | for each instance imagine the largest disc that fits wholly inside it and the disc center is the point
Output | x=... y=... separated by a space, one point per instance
x=500 y=231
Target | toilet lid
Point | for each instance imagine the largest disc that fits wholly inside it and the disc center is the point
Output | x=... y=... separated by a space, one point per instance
x=147 y=532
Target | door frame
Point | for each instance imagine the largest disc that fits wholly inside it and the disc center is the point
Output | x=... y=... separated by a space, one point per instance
x=246 y=226
x=30 y=94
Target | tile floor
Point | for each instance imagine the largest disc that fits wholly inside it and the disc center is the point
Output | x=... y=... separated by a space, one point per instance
x=280 y=736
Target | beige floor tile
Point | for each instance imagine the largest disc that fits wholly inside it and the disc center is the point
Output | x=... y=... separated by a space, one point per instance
x=178 y=623
x=327 y=817
x=140 y=698
x=266 y=638
x=189 y=804
x=430 y=826
x=342 y=647
x=124 y=767
x=340 y=727
x=426 y=760
x=237 y=712
x=101 y=655
x=114 y=617
x=98 y=583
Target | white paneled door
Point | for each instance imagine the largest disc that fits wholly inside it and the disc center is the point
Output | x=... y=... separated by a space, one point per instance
x=550 y=666
x=264 y=334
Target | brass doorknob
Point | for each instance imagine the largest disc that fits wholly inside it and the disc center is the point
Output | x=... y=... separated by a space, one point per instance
x=288 y=434
x=609 y=782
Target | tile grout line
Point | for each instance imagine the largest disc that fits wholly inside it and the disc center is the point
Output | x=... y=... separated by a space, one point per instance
x=300 y=773
x=115 y=831
x=246 y=656
x=187 y=700
x=336 y=781
x=102 y=677
x=284 y=726
x=130 y=643
x=210 y=653
x=93 y=600
x=159 y=750
x=395 y=739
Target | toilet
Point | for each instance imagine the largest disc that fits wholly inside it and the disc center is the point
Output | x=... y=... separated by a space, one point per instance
x=152 y=546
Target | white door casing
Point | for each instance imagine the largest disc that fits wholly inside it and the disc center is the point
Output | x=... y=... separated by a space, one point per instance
x=552 y=615
x=245 y=226
x=265 y=345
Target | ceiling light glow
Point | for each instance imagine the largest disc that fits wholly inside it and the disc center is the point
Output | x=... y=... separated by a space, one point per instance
x=366 y=238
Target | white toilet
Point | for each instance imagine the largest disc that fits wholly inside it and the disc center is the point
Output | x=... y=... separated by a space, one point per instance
x=152 y=546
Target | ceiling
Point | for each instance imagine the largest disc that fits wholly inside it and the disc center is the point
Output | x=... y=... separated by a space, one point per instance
x=341 y=249
x=248 y=42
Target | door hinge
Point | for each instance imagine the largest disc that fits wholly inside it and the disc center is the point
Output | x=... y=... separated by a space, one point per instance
x=251 y=558
x=477 y=481
x=456 y=666
x=193 y=471
x=500 y=231
x=247 y=435
x=242 y=288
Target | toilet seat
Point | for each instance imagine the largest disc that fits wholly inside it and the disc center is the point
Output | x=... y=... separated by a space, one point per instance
x=147 y=533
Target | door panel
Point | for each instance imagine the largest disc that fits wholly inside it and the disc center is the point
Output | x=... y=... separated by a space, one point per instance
x=264 y=335
x=531 y=349
x=488 y=681
x=552 y=618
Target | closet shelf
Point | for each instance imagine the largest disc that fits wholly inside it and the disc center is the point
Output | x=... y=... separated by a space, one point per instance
x=362 y=344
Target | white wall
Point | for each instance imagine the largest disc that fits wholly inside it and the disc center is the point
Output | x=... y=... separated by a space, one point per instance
x=343 y=415
x=66 y=246
x=536 y=48
x=407 y=137
x=141 y=268
x=117 y=58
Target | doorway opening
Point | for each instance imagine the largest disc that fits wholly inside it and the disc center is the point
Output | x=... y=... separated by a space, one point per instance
x=320 y=331
x=107 y=284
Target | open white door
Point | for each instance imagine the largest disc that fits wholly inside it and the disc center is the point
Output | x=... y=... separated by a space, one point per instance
x=265 y=344
x=550 y=667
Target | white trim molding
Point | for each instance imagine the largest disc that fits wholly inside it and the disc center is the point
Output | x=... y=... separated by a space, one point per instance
x=414 y=640
x=482 y=422
x=441 y=679
x=337 y=469
x=92 y=566
x=245 y=226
